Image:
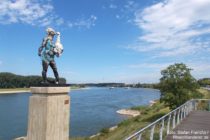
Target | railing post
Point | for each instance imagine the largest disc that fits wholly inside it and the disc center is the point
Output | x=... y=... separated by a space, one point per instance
x=209 y=105
x=174 y=120
x=184 y=111
x=161 y=129
x=187 y=110
x=152 y=132
x=168 y=125
x=139 y=137
x=178 y=115
x=195 y=105
x=191 y=105
x=181 y=114
x=190 y=109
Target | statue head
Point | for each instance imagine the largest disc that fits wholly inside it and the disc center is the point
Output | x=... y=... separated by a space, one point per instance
x=50 y=32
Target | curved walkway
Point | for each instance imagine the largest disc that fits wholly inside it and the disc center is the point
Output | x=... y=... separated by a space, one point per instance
x=196 y=126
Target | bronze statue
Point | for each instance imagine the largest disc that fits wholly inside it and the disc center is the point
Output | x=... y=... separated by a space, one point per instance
x=47 y=52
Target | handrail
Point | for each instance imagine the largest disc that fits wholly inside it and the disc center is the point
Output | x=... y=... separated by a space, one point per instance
x=181 y=112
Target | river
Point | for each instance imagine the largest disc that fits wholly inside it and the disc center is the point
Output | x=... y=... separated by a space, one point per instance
x=91 y=109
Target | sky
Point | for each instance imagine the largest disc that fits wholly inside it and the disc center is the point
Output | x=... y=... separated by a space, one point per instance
x=126 y=41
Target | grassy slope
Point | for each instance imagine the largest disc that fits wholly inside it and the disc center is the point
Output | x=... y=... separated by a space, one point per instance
x=205 y=92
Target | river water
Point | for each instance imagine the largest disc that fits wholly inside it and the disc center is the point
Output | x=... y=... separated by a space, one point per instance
x=91 y=109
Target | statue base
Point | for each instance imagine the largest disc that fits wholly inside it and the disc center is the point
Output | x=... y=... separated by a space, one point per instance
x=49 y=111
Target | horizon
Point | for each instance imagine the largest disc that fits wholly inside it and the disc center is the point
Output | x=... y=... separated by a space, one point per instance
x=114 y=41
x=103 y=82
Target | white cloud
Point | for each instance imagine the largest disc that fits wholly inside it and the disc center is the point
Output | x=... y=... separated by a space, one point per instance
x=37 y=12
x=25 y=11
x=84 y=23
x=173 y=27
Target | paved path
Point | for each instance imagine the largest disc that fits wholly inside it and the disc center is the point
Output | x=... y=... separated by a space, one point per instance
x=196 y=126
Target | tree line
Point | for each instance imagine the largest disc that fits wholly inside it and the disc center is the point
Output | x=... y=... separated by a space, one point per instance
x=10 y=80
x=205 y=82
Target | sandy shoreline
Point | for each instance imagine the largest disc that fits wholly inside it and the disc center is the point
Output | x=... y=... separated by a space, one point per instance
x=28 y=90
x=131 y=112
x=14 y=91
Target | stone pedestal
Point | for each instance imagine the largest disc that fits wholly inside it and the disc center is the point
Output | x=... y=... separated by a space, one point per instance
x=49 y=112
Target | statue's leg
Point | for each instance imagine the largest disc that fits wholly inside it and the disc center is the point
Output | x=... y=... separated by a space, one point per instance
x=55 y=71
x=44 y=71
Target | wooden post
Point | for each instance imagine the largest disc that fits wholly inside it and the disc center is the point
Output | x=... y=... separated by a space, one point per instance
x=49 y=111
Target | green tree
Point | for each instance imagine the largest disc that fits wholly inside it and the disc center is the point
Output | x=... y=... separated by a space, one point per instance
x=177 y=85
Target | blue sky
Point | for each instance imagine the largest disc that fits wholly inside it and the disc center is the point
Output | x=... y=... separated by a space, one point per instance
x=107 y=40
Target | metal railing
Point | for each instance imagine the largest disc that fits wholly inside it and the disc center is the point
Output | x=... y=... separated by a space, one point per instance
x=177 y=115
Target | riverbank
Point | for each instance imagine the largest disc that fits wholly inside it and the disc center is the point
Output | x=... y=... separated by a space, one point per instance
x=14 y=90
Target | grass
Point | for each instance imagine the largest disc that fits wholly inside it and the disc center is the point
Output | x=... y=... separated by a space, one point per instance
x=205 y=92
x=204 y=105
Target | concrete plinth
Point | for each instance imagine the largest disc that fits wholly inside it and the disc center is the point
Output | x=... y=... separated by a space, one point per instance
x=49 y=112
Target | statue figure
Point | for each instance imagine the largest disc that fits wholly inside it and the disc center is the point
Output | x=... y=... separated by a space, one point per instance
x=47 y=51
